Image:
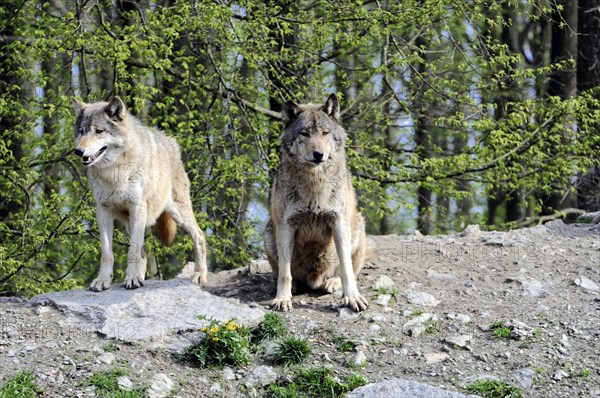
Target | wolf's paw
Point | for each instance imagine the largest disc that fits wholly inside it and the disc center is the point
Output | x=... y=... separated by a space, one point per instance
x=281 y=305
x=198 y=278
x=332 y=285
x=99 y=284
x=134 y=282
x=356 y=302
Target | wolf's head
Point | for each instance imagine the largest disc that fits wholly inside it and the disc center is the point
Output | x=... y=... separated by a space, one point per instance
x=312 y=133
x=98 y=133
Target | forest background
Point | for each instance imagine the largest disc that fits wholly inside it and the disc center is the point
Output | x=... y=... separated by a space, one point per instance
x=458 y=112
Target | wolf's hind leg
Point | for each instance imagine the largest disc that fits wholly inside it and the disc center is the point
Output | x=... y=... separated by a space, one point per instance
x=183 y=214
x=333 y=284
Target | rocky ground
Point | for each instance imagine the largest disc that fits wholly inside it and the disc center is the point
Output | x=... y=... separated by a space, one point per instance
x=433 y=303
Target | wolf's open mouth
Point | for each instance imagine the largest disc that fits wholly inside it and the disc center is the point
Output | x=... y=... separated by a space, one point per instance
x=89 y=160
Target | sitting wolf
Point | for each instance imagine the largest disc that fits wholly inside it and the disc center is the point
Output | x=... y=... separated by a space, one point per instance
x=137 y=177
x=315 y=234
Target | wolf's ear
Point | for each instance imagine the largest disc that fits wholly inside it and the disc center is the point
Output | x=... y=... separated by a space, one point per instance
x=332 y=107
x=79 y=106
x=116 y=109
x=290 y=112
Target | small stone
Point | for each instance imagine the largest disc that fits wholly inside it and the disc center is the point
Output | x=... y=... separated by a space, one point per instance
x=417 y=325
x=160 y=386
x=530 y=286
x=106 y=358
x=383 y=282
x=439 y=276
x=262 y=376
x=435 y=357
x=494 y=239
x=421 y=298
x=228 y=374
x=215 y=387
x=360 y=358
x=460 y=341
x=384 y=299
x=124 y=383
x=586 y=284
x=374 y=327
x=27 y=348
x=523 y=377
x=42 y=310
x=403 y=388
x=559 y=375
x=347 y=313
x=270 y=349
x=378 y=318
x=460 y=317
x=56 y=377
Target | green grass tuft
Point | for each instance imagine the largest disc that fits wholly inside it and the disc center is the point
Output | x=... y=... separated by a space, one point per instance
x=291 y=351
x=225 y=344
x=110 y=347
x=494 y=389
x=501 y=331
x=21 y=385
x=415 y=314
x=107 y=387
x=270 y=328
x=343 y=344
x=316 y=382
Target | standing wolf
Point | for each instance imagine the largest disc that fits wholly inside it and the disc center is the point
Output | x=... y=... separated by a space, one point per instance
x=315 y=234
x=137 y=177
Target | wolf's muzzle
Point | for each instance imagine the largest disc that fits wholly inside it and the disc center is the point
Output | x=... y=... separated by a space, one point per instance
x=88 y=160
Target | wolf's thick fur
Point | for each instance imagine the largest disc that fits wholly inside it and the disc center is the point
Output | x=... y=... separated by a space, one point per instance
x=137 y=177
x=315 y=234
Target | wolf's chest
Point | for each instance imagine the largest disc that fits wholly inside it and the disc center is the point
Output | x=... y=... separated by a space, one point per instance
x=117 y=196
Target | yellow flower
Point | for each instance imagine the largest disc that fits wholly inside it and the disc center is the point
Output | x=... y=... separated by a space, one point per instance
x=232 y=326
x=215 y=339
x=204 y=329
x=214 y=329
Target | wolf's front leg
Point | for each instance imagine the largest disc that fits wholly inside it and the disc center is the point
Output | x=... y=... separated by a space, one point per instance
x=285 y=246
x=136 y=260
x=106 y=227
x=342 y=237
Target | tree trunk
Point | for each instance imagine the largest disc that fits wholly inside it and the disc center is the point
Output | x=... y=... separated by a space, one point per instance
x=8 y=122
x=422 y=138
x=588 y=76
x=562 y=83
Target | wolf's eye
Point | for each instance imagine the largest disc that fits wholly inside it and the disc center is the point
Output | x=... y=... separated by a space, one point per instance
x=304 y=134
x=325 y=132
x=99 y=131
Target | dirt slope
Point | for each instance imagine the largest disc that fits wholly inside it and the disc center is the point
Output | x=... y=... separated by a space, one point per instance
x=428 y=321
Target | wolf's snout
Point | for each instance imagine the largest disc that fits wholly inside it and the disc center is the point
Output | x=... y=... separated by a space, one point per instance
x=78 y=152
x=318 y=156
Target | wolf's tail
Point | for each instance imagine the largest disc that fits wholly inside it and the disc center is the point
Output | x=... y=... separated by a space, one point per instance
x=165 y=229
